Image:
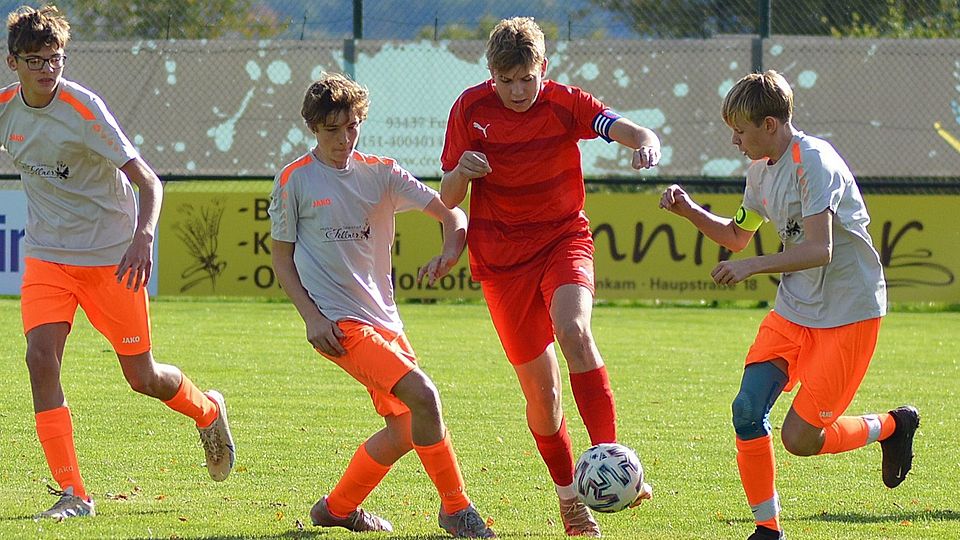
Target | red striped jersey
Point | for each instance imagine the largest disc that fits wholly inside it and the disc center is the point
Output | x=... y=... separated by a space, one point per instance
x=534 y=195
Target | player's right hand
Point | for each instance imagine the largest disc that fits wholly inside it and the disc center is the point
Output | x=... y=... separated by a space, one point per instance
x=675 y=199
x=473 y=165
x=325 y=336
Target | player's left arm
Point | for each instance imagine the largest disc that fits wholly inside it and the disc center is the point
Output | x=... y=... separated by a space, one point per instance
x=454 y=223
x=815 y=250
x=643 y=141
x=137 y=261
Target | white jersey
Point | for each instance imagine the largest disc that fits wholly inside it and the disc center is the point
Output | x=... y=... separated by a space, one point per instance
x=342 y=224
x=81 y=209
x=809 y=178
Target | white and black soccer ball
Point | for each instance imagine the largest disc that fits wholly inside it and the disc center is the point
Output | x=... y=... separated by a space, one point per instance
x=609 y=477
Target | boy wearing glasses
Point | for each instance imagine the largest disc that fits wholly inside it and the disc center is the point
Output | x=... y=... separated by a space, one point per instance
x=86 y=245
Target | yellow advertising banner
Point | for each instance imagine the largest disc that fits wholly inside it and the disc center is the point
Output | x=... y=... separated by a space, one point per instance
x=215 y=240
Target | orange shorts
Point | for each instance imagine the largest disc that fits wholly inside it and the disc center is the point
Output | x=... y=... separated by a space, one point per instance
x=829 y=363
x=51 y=292
x=520 y=304
x=377 y=358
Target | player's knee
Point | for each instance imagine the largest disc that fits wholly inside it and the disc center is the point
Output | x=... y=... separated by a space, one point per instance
x=749 y=417
x=799 y=443
x=573 y=335
x=41 y=361
x=418 y=392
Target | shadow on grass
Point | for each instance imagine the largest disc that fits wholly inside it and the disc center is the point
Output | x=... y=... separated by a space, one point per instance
x=318 y=533
x=32 y=517
x=855 y=517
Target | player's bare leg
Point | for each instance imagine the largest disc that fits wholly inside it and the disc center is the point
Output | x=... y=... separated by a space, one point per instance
x=168 y=384
x=44 y=358
x=571 y=311
x=540 y=383
x=431 y=441
x=150 y=378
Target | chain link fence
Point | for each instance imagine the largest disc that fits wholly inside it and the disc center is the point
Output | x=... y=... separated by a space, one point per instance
x=213 y=89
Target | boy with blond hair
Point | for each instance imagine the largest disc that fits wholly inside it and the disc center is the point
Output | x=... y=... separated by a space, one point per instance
x=823 y=329
x=87 y=245
x=513 y=138
x=332 y=224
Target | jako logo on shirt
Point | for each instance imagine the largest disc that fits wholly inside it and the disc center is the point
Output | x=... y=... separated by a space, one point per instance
x=16 y=137
x=131 y=339
x=321 y=202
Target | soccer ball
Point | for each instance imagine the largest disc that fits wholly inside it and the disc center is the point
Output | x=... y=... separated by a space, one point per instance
x=609 y=477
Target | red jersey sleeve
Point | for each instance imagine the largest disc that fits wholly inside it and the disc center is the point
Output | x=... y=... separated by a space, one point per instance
x=456 y=141
x=593 y=117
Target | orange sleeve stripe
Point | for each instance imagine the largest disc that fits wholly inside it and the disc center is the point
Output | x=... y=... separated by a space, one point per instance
x=71 y=100
x=371 y=159
x=796 y=152
x=8 y=95
x=288 y=170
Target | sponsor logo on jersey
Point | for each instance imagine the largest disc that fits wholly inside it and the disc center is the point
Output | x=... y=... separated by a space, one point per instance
x=321 y=202
x=130 y=339
x=16 y=137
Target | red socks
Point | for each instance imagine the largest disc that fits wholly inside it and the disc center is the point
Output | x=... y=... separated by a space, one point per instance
x=591 y=391
x=557 y=452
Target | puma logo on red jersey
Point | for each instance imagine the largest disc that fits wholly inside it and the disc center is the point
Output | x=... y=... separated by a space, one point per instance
x=483 y=129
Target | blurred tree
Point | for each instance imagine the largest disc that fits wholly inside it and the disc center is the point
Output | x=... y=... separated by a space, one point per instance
x=938 y=19
x=172 y=19
x=852 y=18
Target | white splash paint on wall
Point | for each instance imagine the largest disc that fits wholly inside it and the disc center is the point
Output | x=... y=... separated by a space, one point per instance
x=279 y=72
x=222 y=134
x=589 y=71
x=171 y=67
x=807 y=78
x=725 y=87
x=253 y=70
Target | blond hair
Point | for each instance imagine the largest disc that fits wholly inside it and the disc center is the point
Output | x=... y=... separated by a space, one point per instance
x=516 y=42
x=29 y=29
x=331 y=95
x=758 y=96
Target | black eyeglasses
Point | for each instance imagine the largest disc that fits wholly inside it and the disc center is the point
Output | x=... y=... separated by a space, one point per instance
x=36 y=63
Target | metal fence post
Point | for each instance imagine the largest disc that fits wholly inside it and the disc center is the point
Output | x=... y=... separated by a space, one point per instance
x=350 y=45
x=763 y=32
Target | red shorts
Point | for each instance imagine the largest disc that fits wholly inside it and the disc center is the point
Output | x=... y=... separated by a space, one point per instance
x=520 y=304
x=829 y=363
x=51 y=292
x=377 y=358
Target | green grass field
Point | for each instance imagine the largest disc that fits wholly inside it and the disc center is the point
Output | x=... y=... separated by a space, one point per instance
x=297 y=420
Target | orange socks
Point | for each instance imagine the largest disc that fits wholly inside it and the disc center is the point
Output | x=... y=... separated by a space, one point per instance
x=757 y=474
x=190 y=401
x=362 y=475
x=557 y=453
x=440 y=462
x=591 y=391
x=55 y=431
x=852 y=432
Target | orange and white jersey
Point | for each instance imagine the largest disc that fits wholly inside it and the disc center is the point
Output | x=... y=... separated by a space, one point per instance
x=809 y=178
x=342 y=222
x=81 y=210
